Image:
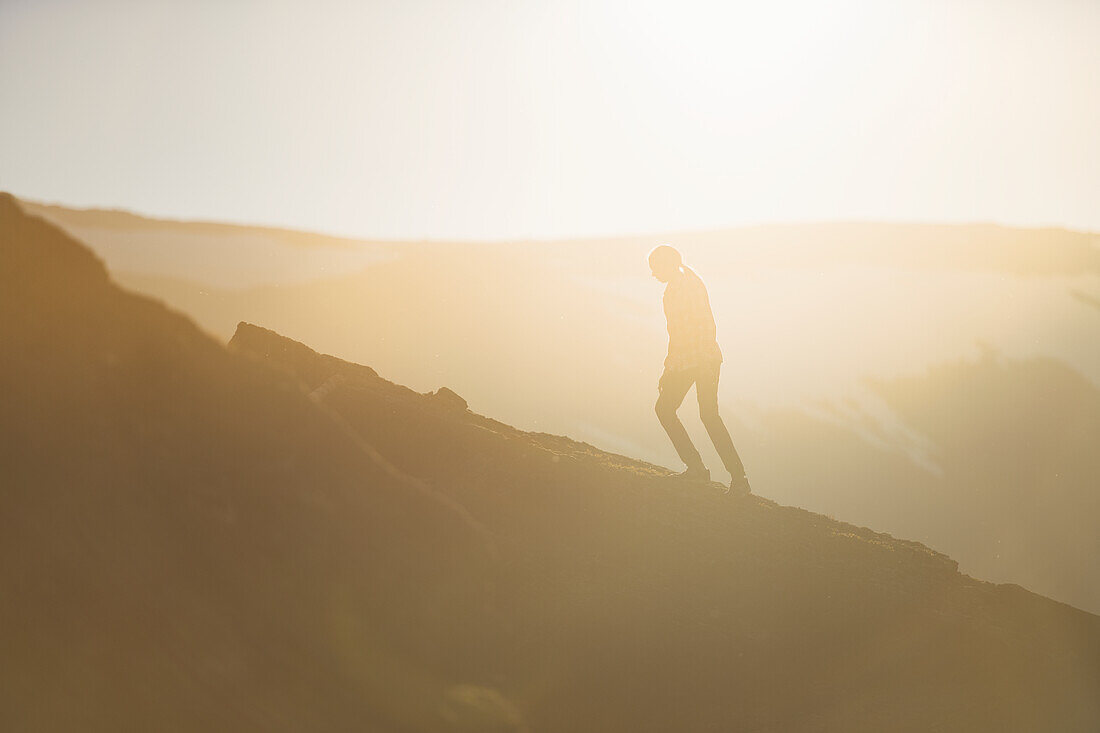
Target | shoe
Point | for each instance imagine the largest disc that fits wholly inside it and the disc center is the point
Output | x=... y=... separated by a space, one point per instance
x=700 y=473
x=739 y=486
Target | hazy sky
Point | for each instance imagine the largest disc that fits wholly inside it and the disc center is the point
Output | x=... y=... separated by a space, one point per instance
x=514 y=119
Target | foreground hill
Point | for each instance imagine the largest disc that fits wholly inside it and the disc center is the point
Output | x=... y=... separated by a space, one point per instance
x=265 y=538
x=189 y=544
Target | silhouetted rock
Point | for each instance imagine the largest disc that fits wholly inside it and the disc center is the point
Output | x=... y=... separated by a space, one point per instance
x=298 y=358
x=448 y=399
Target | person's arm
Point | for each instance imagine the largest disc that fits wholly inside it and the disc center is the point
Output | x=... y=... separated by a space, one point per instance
x=677 y=317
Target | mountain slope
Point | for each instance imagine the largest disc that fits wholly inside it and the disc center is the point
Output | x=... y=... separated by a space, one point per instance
x=188 y=542
x=715 y=609
x=265 y=538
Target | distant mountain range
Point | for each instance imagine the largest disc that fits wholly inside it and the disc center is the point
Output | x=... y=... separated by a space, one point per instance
x=260 y=537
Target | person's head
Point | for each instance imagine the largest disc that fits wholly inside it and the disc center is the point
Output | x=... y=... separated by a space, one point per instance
x=665 y=263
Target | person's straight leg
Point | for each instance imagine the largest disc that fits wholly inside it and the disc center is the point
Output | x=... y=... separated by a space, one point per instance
x=706 y=389
x=674 y=387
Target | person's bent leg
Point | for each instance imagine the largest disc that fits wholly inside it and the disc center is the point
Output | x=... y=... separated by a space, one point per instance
x=706 y=389
x=674 y=388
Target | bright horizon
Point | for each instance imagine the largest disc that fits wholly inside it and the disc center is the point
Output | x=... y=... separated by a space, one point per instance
x=504 y=121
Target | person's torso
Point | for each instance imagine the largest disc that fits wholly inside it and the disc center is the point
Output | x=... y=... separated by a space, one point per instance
x=691 y=327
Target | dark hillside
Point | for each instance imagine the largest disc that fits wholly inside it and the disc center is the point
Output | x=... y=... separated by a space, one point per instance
x=188 y=543
x=629 y=600
x=265 y=538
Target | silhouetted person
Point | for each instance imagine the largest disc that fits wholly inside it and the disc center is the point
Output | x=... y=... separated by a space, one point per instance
x=693 y=358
